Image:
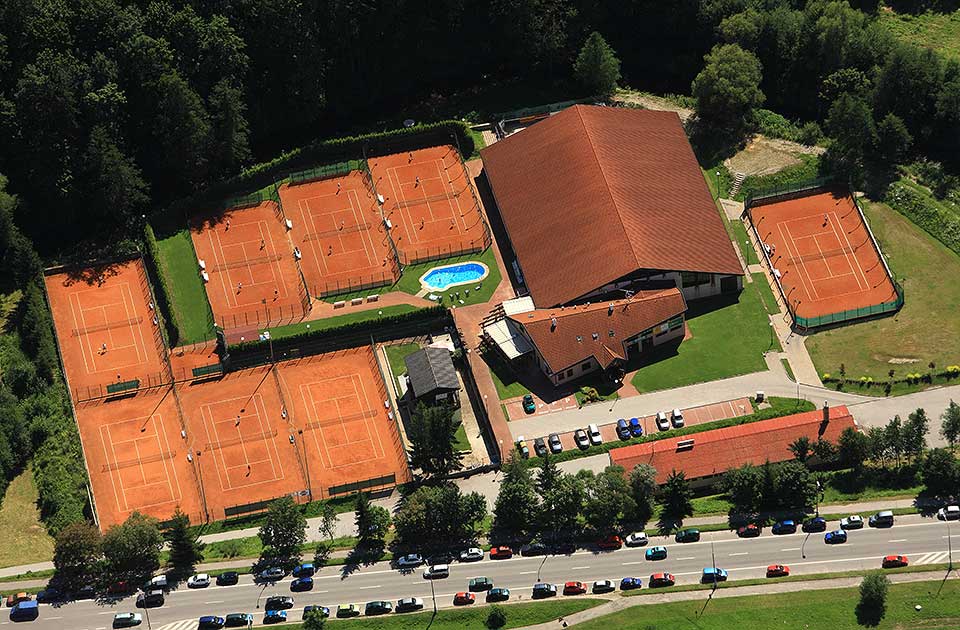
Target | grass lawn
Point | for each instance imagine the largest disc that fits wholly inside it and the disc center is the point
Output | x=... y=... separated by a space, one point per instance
x=460 y=440
x=925 y=329
x=395 y=356
x=713 y=352
x=808 y=170
x=409 y=281
x=504 y=378
x=788 y=370
x=939 y=31
x=178 y=263
x=339 y=320
x=738 y=233
x=478 y=143
x=811 y=610
x=25 y=538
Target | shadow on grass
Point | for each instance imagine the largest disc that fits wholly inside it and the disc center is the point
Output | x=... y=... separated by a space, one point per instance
x=361 y=556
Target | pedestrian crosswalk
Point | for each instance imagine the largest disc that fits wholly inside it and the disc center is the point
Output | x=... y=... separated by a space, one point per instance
x=937 y=557
x=186 y=624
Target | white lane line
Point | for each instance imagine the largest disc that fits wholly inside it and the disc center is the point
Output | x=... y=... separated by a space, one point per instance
x=791 y=549
x=629 y=563
x=739 y=553
x=526 y=573
x=953 y=536
x=578 y=568
x=216 y=602
x=690 y=558
x=898 y=540
x=364 y=588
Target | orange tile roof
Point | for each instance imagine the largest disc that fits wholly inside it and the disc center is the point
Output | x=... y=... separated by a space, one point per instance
x=594 y=193
x=717 y=451
x=571 y=340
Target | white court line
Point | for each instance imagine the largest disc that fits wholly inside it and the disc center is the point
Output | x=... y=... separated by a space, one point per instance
x=811 y=290
x=852 y=254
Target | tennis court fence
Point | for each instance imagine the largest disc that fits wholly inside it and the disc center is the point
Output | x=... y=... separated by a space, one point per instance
x=375 y=483
x=253 y=199
x=325 y=171
x=333 y=288
x=430 y=254
x=147 y=382
x=264 y=317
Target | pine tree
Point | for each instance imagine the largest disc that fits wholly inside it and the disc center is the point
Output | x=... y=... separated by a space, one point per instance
x=186 y=550
x=597 y=68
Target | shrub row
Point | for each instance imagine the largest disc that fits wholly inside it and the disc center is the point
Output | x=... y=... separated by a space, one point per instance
x=161 y=290
x=773 y=125
x=948 y=373
x=925 y=212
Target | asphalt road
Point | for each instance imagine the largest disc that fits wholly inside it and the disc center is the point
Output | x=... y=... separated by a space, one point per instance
x=923 y=540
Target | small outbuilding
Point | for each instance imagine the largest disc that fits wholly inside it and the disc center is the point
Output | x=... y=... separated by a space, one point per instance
x=432 y=376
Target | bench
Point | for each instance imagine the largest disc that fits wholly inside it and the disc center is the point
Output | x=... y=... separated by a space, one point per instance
x=207 y=370
x=124 y=386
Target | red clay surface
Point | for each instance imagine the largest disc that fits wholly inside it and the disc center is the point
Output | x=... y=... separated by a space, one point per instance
x=339 y=231
x=823 y=251
x=428 y=200
x=137 y=459
x=236 y=430
x=108 y=306
x=337 y=406
x=254 y=279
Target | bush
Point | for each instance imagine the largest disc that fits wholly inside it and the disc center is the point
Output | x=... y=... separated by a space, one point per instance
x=924 y=211
x=873 y=599
x=497 y=617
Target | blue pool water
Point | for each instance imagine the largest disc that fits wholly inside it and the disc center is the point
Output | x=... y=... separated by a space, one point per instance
x=441 y=278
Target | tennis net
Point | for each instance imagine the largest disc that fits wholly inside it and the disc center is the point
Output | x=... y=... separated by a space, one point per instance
x=406 y=203
x=830 y=253
x=76 y=332
x=349 y=229
x=249 y=262
x=127 y=463
x=243 y=439
x=350 y=417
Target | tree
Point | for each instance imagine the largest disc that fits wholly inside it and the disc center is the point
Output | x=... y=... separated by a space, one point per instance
x=873 y=599
x=229 y=145
x=548 y=475
x=314 y=620
x=283 y=534
x=185 y=547
x=132 y=549
x=327 y=527
x=894 y=437
x=497 y=618
x=597 y=68
x=801 y=449
x=676 y=498
x=950 y=424
x=914 y=433
x=112 y=184
x=608 y=502
x=432 y=435
x=373 y=521
x=181 y=133
x=515 y=510
x=893 y=142
x=743 y=488
x=560 y=509
x=796 y=487
x=940 y=473
x=877 y=440
x=728 y=88
x=439 y=516
x=643 y=491
x=853 y=448
x=850 y=124
x=76 y=553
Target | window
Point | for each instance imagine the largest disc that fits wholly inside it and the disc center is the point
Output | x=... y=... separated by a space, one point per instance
x=675 y=322
x=570 y=372
x=586 y=365
x=561 y=376
x=694 y=279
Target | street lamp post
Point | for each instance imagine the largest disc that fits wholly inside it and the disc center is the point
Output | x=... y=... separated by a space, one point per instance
x=718 y=184
x=146 y=613
x=433 y=596
x=306 y=463
x=949 y=549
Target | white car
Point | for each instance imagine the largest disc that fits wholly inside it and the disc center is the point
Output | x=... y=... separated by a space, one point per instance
x=854 y=521
x=126 y=620
x=949 y=513
x=636 y=539
x=200 y=580
x=604 y=586
x=471 y=555
x=436 y=572
x=410 y=561
x=594 y=432
x=662 y=422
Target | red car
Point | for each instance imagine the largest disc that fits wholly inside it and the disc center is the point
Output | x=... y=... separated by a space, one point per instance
x=574 y=588
x=778 y=570
x=892 y=562
x=500 y=553
x=119 y=588
x=662 y=579
x=748 y=531
x=610 y=543
x=464 y=599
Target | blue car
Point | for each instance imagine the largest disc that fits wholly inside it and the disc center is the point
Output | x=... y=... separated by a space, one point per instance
x=211 y=622
x=816 y=524
x=302 y=584
x=323 y=610
x=274 y=616
x=304 y=570
x=784 y=527
x=636 y=429
x=656 y=553
x=837 y=537
x=623 y=429
x=629 y=583
x=713 y=574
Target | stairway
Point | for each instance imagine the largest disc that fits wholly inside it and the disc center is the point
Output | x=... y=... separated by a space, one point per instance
x=737 y=182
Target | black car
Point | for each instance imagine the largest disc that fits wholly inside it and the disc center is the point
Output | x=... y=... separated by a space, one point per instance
x=817 y=524
x=228 y=578
x=440 y=558
x=278 y=602
x=150 y=599
x=85 y=592
x=409 y=604
x=563 y=548
x=533 y=549
x=540 y=447
x=49 y=595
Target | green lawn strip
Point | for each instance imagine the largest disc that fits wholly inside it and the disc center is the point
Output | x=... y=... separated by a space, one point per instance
x=460 y=440
x=518 y=615
x=250 y=547
x=395 y=356
x=739 y=233
x=29 y=575
x=788 y=370
x=924 y=330
x=25 y=538
x=937 y=30
x=766 y=296
x=339 y=320
x=808 y=169
x=713 y=352
x=504 y=379
x=178 y=262
x=725 y=180
x=478 y=143
x=314 y=508
x=410 y=279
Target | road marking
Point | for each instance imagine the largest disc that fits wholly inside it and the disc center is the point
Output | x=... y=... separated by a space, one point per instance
x=898 y=540
x=629 y=563
x=690 y=558
x=216 y=602
x=953 y=536
x=364 y=588
x=526 y=573
x=50 y=618
x=791 y=549
x=739 y=553
x=578 y=568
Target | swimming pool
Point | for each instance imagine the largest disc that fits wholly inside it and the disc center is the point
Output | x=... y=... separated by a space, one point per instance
x=442 y=278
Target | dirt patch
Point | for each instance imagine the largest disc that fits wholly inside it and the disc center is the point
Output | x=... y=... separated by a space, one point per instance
x=649 y=101
x=763 y=156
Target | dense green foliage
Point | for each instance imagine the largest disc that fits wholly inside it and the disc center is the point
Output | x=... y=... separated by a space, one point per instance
x=283 y=535
x=432 y=433
x=186 y=550
x=440 y=515
x=756 y=489
x=597 y=67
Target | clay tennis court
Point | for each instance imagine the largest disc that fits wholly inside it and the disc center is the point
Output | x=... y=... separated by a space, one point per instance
x=429 y=203
x=137 y=459
x=824 y=254
x=105 y=327
x=340 y=234
x=337 y=402
x=237 y=432
x=253 y=277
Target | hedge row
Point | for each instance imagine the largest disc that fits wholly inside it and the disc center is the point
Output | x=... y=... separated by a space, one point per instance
x=320 y=152
x=780 y=407
x=947 y=374
x=162 y=291
x=925 y=212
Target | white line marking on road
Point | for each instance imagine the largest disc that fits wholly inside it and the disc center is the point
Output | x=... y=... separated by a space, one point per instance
x=364 y=588
x=629 y=563
x=50 y=618
x=739 y=553
x=578 y=568
x=898 y=540
x=216 y=602
x=953 y=536
x=690 y=558
x=791 y=549
x=526 y=573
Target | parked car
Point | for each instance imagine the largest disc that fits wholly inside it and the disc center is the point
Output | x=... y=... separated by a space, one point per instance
x=662 y=579
x=636 y=427
x=301 y=584
x=604 y=586
x=304 y=570
x=881 y=519
x=274 y=616
x=25 y=611
x=662 y=423
x=540 y=447
x=157 y=581
x=837 y=537
x=713 y=574
x=323 y=610
x=554 y=442
x=636 y=539
x=687 y=535
x=348 y=610
x=87 y=591
x=676 y=418
x=126 y=620
x=464 y=599
x=409 y=604
x=623 y=429
x=271 y=574
x=228 y=578
x=241 y=620
x=278 y=602
x=440 y=558
x=200 y=580
x=150 y=599
x=210 y=622
x=778 y=570
x=501 y=553
x=630 y=583
x=15 y=598
x=748 y=531
x=854 y=521
x=529 y=406
x=893 y=562
x=574 y=588
x=377 y=607
x=409 y=561
x=656 y=553
x=543 y=590
x=119 y=588
x=498 y=595
x=815 y=524
x=610 y=543
x=949 y=513
x=522 y=447
x=52 y=594
x=436 y=572
x=563 y=548
x=471 y=555
x=581 y=439
x=784 y=527
x=594 y=432
x=480 y=584
x=533 y=549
